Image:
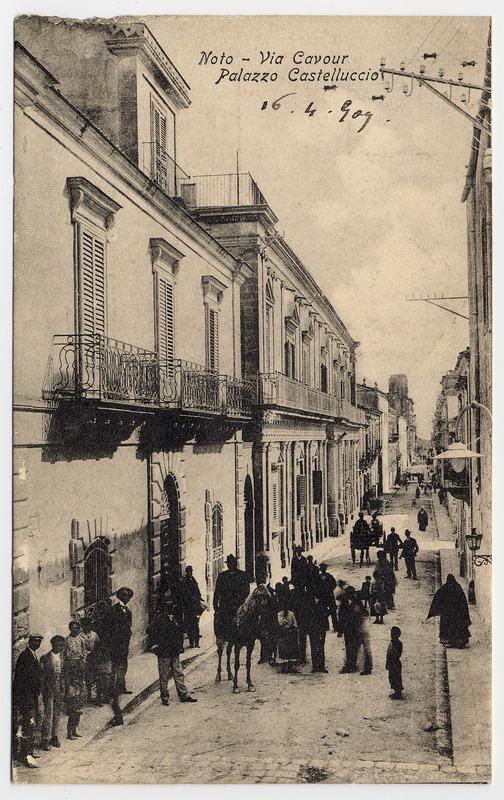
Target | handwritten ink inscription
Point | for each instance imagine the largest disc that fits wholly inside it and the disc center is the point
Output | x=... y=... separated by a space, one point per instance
x=311 y=110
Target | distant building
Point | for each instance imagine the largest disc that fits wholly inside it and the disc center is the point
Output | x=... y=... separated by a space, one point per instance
x=404 y=406
x=375 y=449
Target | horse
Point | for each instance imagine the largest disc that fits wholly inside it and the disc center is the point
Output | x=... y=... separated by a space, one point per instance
x=239 y=632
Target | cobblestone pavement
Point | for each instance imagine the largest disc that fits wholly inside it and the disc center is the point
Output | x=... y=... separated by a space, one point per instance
x=295 y=728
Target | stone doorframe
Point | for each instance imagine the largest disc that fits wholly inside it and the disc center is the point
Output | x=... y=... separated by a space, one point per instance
x=160 y=466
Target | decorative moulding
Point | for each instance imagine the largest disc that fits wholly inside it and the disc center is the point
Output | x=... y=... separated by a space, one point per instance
x=213 y=289
x=84 y=195
x=165 y=255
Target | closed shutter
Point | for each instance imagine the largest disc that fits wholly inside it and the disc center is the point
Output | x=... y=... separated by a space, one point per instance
x=317 y=487
x=159 y=131
x=274 y=494
x=269 y=314
x=165 y=321
x=92 y=284
x=213 y=339
x=300 y=493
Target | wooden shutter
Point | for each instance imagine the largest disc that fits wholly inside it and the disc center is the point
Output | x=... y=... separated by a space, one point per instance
x=274 y=494
x=166 y=332
x=268 y=344
x=92 y=283
x=300 y=493
x=213 y=339
x=159 y=145
x=317 y=487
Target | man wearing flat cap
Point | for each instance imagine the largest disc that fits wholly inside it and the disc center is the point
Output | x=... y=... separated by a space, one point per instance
x=231 y=590
x=166 y=638
x=53 y=690
x=119 y=635
x=25 y=698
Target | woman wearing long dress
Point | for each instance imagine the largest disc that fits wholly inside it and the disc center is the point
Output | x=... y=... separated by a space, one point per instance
x=450 y=604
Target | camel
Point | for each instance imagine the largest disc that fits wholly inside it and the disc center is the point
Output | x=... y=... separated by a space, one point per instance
x=242 y=631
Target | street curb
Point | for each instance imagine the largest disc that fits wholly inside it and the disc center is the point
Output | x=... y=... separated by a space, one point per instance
x=149 y=690
x=443 y=711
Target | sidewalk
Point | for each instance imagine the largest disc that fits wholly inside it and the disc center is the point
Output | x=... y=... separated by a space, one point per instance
x=469 y=674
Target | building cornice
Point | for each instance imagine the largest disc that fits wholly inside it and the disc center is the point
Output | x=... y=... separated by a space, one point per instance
x=135 y=37
x=29 y=76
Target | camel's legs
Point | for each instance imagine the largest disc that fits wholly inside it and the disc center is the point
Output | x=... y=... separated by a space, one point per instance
x=228 y=660
x=250 y=650
x=237 y=648
x=220 y=648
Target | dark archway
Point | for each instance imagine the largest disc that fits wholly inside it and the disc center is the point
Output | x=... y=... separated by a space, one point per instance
x=170 y=535
x=248 y=496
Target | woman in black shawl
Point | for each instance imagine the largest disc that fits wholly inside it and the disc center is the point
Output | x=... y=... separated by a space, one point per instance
x=450 y=604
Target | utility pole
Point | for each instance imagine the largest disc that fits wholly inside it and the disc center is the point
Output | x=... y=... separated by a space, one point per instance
x=432 y=302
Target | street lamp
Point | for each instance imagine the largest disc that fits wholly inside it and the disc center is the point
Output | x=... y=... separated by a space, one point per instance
x=474 y=540
x=453 y=468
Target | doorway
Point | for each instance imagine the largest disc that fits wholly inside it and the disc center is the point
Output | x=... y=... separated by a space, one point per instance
x=248 y=497
x=170 y=535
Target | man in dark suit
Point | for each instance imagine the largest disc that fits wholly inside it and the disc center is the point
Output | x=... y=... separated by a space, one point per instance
x=167 y=641
x=25 y=698
x=299 y=569
x=52 y=692
x=119 y=635
x=231 y=590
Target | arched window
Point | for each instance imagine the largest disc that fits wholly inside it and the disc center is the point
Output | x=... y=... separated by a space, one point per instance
x=217 y=542
x=96 y=575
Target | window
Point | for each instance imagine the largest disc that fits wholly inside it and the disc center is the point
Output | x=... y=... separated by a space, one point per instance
x=268 y=356
x=317 y=486
x=159 y=155
x=306 y=362
x=290 y=359
x=212 y=343
x=276 y=495
x=91 y=297
x=342 y=383
x=165 y=321
x=323 y=370
x=213 y=293
x=217 y=542
x=92 y=213
x=96 y=576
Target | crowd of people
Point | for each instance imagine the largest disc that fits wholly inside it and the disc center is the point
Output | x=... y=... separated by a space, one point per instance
x=89 y=664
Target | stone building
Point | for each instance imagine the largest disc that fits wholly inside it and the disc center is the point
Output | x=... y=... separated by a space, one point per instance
x=306 y=432
x=404 y=406
x=478 y=198
x=129 y=405
x=375 y=404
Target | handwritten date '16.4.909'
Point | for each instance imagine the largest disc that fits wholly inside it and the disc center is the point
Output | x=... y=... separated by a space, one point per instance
x=344 y=111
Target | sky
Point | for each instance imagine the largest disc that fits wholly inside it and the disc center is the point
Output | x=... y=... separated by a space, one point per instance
x=375 y=215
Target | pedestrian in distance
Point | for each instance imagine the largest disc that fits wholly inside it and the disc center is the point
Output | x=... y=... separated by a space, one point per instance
x=363 y=637
x=327 y=587
x=365 y=593
x=359 y=538
x=101 y=655
x=422 y=519
x=393 y=543
x=25 y=700
x=409 y=553
x=417 y=492
x=287 y=652
x=378 y=601
x=299 y=568
x=74 y=677
x=339 y=599
x=393 y=663
x=53 y=692
x=350 y=615
x=376 y=530
x=192 y=606
x=91 y=640
x=318 y=627
x=385 y=574
x=301 y=608
x=166 y=639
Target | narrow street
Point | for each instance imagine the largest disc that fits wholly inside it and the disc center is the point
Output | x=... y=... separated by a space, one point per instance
x=297 y=728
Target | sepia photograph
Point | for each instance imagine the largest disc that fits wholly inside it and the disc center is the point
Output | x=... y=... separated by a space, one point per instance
x=252 y=399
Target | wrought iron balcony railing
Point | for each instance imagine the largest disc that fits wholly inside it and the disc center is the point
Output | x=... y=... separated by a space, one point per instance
x=108 y=370
x=279 y=390
x=214 y=191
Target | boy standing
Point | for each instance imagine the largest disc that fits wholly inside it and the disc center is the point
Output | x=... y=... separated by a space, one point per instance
x=52 y=692
x=393 y=663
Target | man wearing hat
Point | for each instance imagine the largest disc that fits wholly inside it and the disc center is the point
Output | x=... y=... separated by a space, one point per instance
x=167 y=642
x=119 y=635
x=52 y=692
x=328 y=585
x=299 y=569
x=231 y=590
x=25 y=698
x=409 y=553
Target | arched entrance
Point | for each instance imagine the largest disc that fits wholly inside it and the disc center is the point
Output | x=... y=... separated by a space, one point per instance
x=170 y=535
x=248 y=497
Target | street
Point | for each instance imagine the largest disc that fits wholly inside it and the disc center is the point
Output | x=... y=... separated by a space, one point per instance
x=294 y=728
